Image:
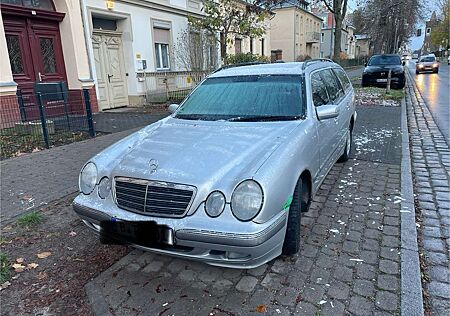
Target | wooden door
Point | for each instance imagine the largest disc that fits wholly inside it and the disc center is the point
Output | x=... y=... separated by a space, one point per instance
x=35 y=53
x=110 y=70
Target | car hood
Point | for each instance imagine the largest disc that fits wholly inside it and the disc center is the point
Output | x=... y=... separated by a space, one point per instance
x=383 y=68
x=201 y=152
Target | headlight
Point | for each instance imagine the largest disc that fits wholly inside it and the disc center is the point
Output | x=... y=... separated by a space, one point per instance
x=104 y=187
x=88 y=178
x=435 y=65
x=420 y=66
x=247 y=200
x=215 y=203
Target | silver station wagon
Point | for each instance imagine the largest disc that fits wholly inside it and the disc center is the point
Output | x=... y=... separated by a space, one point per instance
x=226 y=177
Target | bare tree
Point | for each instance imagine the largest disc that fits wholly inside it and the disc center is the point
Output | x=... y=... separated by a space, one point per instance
x=196 y=50
x=339 y=9
x=389 y=23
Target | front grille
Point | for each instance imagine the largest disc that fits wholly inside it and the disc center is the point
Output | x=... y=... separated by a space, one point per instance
x=153 y=197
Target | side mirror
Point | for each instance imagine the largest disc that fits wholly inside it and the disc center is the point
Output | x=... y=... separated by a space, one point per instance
x=365 y=64
x=403 y=63
x=173 y=107
x=327 y=111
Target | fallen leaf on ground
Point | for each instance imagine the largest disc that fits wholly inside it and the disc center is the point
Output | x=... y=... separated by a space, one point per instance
x=72 y=234
x=32 y=265
x=5 y=285
x=44 y=254
x=19 y=260
x=41 y=275
x=78 y=259
x=35 y=150
x=18 y=267
x=261 y=308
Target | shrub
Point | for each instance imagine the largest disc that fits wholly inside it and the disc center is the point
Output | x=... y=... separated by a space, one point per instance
x=245 y=58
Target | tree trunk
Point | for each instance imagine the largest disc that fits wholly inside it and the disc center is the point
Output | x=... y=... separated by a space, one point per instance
x=223 y=47
x=337 y=39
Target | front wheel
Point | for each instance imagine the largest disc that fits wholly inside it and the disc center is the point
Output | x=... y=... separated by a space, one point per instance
x=348 y=145
x=299 y=204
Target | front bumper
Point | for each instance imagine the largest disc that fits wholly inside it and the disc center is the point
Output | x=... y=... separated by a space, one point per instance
x=374 y=79
x=198 y=237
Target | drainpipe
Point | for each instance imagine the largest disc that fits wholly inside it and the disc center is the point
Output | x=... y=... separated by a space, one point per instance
x=295 y=33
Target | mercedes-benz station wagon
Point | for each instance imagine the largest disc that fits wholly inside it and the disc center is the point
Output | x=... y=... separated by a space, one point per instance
x=226 y=177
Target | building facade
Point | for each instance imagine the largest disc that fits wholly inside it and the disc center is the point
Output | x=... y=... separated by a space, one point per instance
x=41 y=42
x=296 y=32
x=362 y=48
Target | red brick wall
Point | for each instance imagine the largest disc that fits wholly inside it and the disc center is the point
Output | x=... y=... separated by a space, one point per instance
x=9 y=111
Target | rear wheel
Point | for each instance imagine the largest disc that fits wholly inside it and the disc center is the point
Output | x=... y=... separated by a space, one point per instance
x=348 y=145
x=300 y=203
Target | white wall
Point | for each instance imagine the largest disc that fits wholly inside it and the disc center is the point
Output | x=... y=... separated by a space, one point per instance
x=136 y=25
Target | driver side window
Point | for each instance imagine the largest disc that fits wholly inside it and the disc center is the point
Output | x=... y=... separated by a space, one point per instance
x=319 y=90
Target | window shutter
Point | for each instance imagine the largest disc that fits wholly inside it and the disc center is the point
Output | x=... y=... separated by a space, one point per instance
x=161 y=35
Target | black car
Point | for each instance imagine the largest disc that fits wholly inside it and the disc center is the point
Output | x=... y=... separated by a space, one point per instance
x=377 y=69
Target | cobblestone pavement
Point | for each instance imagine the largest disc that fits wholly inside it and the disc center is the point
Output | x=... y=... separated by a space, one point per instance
x=42 y=177
x=348 y=262
x=430 y=156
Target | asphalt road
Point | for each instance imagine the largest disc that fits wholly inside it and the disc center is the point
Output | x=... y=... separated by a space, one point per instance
x=435 y=91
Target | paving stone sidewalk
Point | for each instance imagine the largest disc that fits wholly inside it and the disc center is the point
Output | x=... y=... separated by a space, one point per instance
x=348 y=263
x=430 y=156
x=39 y=178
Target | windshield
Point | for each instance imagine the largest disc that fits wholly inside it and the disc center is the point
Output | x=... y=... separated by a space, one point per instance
x=427 y=59
x=384 y=60
x=239 y=98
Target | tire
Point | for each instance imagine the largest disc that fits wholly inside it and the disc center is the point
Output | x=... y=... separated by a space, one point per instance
x=436 y=71
x=348 y=145
x=417 y=72
x=300 y=203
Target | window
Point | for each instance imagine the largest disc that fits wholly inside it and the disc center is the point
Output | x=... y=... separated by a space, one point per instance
x=245 y=97
x=104 y=24
x=40 y=4
x=343 y=78
x=262 y=46
x=385 y=60
x=237 y=45
x=428 y=31
x=15 y=53
x=251 y=45
x=334 y=89
x=319 y=91
x=162 y=39
x=322 y=36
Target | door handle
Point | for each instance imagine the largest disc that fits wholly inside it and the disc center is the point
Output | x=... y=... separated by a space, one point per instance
x=41 y=76
x=109 y=78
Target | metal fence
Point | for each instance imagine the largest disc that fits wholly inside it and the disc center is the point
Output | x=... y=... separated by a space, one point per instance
x=37 y=120
x=359 y=61
x=170 y=86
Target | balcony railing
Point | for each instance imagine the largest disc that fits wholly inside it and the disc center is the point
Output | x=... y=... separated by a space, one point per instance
x=312 y=37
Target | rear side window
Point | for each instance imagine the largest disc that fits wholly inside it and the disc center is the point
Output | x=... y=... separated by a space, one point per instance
x=333 y=85
x=343 y=78
x=319 y=91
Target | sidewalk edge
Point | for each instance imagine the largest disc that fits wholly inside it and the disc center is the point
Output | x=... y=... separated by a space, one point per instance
x=411 y=284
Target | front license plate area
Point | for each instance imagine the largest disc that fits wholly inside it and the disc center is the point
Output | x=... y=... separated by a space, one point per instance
x=381 y=80
x=141 y=233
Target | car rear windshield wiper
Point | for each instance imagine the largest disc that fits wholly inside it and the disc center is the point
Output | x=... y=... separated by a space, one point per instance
x=261 y=118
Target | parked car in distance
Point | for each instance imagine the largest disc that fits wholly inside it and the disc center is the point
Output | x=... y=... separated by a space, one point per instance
x=427 y=63
x=225 y=179
x=376 y=71
x=448 y=60
x=414 y=56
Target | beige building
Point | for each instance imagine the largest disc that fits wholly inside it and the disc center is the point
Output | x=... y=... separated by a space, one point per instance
x=296 y=32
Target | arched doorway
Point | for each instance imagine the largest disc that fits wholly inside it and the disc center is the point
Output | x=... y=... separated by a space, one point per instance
x=33 y=42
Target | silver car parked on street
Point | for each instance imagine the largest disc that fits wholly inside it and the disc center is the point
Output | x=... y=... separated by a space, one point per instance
x=226 y=177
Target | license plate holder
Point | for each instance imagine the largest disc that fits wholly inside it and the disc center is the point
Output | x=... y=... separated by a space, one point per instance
x=381 y=80
x=143 y=233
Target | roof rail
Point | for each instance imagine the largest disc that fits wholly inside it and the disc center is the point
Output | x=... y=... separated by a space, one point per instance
x=250 y=63
x=306 y=63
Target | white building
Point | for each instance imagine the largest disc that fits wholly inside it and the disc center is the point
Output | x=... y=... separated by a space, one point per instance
x=128 y=38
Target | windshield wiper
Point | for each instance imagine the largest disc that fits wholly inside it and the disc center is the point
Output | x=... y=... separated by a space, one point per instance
x=262 y=118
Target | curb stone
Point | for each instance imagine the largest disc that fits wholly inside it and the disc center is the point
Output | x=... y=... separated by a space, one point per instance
x=411 y=285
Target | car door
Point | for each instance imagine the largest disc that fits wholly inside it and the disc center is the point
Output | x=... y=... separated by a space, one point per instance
x=346 y=106
x=336 y=95
x=325 y=128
